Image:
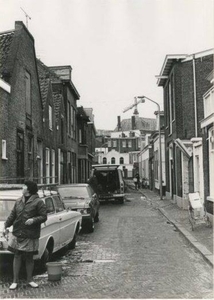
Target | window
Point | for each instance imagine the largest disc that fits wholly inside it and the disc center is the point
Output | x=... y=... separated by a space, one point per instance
x=30 y=144
x=3 y=150
x=68 y=118
x=47 y=164
x=104 y=160
x=121 y=160
x=62 y=130
x=58 y=204
x=72 y=121
x=53 y=166
x=109 y=143
x=156 y=164
x=50 y=117
x=129 y=143
x=39 y=161
x=80 y=136
x=113 y=160
x=49 y=205
x=28 y=93
x=124 y=144
x=114 y=143
x=20 y=154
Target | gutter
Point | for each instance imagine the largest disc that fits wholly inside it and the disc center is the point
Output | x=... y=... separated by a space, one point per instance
x=194 y=94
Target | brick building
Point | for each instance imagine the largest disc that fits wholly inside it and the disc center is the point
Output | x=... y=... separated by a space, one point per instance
x=21 y=107
x=183 y=78
x=38 y=115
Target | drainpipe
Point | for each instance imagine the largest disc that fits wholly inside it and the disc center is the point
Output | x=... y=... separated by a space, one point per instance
x=194 y=94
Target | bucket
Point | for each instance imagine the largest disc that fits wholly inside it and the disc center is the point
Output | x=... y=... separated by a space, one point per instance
x=54 y=270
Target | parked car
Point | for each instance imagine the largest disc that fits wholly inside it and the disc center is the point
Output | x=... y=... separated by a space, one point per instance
x=82 y=198
x=60 y=229
x=109 y=181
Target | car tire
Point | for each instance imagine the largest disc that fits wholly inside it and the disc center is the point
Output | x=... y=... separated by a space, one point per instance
x=91 y=225
x=96 y=218
x=72 y=244
x=44 y=259
x=121 y=200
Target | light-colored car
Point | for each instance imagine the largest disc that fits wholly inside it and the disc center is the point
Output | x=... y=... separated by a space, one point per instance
x=60 y=229
x=82 y=198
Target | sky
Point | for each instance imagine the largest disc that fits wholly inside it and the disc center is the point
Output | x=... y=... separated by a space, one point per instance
x=116 y=48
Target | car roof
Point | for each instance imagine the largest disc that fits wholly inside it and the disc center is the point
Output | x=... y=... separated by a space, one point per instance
x=14 y=194
x=73 y=185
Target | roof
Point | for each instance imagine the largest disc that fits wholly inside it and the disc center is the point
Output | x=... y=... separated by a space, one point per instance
x=81 y=113
x=173 y=58
x=45 y=77
x=167 y=66
x=6 y=39
x=140 y=124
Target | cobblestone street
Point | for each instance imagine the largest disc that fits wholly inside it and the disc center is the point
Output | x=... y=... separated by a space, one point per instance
x=133 y=253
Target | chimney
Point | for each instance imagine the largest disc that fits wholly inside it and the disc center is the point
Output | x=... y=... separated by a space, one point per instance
x=118 y=123
x=133 y=123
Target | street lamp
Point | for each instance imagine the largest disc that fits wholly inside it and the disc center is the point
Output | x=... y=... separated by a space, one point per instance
x=142 y=100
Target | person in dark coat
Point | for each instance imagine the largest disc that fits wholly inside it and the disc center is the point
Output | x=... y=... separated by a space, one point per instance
x=27 y=215
x=137 y=181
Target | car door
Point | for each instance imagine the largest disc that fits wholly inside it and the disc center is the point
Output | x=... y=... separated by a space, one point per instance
x=67 y=222
x=51 y=228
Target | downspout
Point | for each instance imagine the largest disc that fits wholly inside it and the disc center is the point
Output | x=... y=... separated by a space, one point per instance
x=194 y=95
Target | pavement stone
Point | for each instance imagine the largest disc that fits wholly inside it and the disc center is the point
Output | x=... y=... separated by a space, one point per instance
x=201 y=238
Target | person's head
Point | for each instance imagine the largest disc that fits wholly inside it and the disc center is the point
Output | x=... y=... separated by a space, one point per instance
x=29 y=188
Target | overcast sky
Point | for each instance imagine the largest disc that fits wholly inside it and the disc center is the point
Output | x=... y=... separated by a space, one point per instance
x=115 y=47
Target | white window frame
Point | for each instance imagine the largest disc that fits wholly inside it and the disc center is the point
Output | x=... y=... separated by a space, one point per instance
x=114 y=143
x=53 y=165
x=4 y=150
x=109 y=143
x=130 y=143
x=47 y=165
x=124 y=143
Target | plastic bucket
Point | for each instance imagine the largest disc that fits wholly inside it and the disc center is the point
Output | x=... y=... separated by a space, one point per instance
x=54 y=270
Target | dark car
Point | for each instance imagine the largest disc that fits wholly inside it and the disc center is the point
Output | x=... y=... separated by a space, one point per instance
x=109 y=182
x=82 y=198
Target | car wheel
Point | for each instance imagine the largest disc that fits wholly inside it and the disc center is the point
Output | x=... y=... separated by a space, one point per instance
x=96 y=218
x=72 y=244
x=91 y=225
x=44 y=259
x=121 y=200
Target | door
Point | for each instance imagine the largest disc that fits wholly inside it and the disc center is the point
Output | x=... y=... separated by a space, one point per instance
x=66 y=222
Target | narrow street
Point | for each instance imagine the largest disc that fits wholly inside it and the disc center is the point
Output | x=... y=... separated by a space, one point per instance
x=132 y=253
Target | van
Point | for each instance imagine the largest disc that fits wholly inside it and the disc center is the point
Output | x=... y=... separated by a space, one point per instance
x=108 y=182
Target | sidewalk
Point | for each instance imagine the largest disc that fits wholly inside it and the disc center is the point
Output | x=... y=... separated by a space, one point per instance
x=201 y=238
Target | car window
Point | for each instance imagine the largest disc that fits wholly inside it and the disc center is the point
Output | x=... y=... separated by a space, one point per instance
x=49 y=205
x=73 y=191
x=90 y=191
x=5 y=208
x=58 y=204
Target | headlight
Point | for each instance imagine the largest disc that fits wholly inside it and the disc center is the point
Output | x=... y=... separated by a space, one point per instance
x=84 y=211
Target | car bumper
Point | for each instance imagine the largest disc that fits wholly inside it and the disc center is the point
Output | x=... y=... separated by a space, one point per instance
x=112 y=196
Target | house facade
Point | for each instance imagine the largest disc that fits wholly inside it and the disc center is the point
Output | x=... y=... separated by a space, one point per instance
x=183 y=79
x=23 y=126
x=207 y=126
x=41 y=141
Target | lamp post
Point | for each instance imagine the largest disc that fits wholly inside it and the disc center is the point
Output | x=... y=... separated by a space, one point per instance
x=142 y=100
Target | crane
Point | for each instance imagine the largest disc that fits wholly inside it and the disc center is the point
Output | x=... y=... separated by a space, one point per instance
x=136 y=102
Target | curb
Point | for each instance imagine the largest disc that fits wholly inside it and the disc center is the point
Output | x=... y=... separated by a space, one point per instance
x=206 y=254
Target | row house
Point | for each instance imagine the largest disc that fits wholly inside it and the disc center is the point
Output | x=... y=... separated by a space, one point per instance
x=39 y=111
x=150 y=158
x=86 y=142
x=184 y=82
x=207 y=144
x=21 y=106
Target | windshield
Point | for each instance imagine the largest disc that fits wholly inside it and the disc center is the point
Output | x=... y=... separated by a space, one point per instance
x=5 y=208
x=74 y=192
